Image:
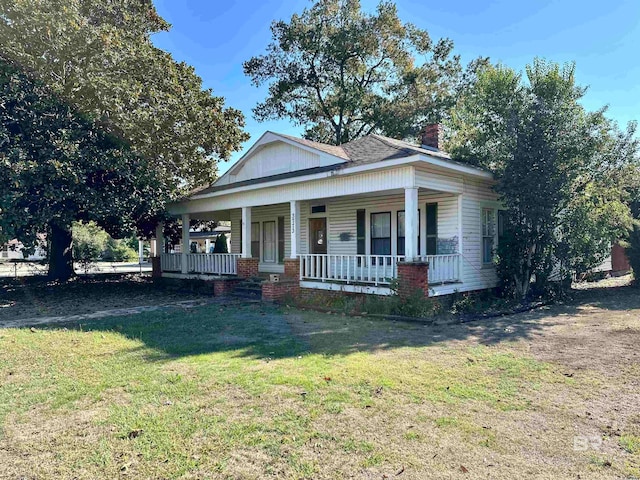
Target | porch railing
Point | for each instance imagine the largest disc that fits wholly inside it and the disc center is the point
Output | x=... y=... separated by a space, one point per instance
x=205 y=263
x=443 y=268
x=171 y=262
x=373 y=269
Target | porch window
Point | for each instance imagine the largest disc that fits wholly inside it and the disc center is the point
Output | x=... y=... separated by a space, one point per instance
x=381 y=233
x=488 y=234
x=269 y=242
x=432 y=228
x=255 y=240
x=401 y=234
x=319 y=209
x=280 y=239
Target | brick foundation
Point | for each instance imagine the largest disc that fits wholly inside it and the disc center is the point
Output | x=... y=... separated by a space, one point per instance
x=317 y=294
x=156 y=268
x=292 y=267
x=247 y=267
x=275 y=291
x=413 y=278
x=224 y=286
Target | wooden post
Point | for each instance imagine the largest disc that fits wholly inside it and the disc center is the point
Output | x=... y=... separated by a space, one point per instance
x=185 y=242
x=246 y=232
x=295 y=228
x=410 y=223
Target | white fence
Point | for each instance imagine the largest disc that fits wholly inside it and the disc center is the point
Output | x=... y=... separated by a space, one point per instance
x=443 y=268
x=375 y=269
x=206 y=263
x=171 y=262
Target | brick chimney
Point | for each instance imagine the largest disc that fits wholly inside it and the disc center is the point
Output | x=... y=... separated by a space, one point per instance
x=431 y=136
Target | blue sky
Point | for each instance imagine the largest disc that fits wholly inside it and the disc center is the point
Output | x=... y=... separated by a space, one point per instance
x=603 y=38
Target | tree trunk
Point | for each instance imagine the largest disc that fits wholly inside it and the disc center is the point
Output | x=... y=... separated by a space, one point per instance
x=60 y=253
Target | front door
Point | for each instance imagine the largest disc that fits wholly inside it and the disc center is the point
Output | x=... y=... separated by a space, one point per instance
x=318 y=235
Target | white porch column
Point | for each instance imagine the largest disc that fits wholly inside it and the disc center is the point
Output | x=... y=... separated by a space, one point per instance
x=460 y=233
x=186 y=220
x=295 y=228
x=411 y=223
x=141 y=250
x=207 y=245
x=159 y=250
x=246 y=232
x=460 y=224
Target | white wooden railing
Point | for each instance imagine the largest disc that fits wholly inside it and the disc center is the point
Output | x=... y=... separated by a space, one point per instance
x=375 y=269
x=443 y=268
x=170 y=262
x=205 y=263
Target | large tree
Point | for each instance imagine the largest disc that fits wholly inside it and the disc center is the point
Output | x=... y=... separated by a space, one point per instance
x=97 y=57
x=59 y=167
x=558 y=169
x=343 y=73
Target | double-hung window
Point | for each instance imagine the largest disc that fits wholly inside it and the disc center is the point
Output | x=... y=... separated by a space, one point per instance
x=255 y=240
x=488 y=235
x=381 y=233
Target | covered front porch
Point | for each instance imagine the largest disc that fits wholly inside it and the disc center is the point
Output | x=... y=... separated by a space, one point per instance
x=350 y=243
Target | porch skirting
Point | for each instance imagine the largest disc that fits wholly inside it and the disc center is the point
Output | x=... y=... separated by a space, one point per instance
x=339 y=288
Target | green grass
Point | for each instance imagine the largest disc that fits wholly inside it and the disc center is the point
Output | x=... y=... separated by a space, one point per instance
x=244 y=393
x=631 y=443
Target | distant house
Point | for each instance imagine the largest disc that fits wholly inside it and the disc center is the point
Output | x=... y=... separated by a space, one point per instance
x=204 y=241
x=350 y=218
x=14 y=250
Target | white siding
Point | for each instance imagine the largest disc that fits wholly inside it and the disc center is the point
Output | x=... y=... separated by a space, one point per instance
x=236 y=225
x=435 y=178
x=341 y=217
x=328 y=185
x=273 y=159
x=476 y=196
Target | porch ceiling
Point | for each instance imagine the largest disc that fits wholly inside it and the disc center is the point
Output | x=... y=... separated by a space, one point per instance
x=208 y=216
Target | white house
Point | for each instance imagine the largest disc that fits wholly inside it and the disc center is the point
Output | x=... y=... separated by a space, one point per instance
x=14 y=250
x=343 y=217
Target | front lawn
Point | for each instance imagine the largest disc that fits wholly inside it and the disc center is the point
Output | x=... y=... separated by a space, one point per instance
x=231 y=391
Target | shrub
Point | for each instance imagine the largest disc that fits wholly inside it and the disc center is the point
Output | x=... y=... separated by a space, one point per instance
x=89 y=241
x=221 y=244
x=119 y=251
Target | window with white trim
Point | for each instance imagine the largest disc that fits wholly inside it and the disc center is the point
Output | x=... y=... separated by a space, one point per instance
x=255 y=239
x=488 y=235
x=381 y=233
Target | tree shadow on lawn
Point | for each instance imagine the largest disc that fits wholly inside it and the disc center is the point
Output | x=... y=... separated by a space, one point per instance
x=267 y=331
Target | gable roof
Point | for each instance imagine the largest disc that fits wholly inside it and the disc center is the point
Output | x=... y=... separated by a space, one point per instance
x=369 y=149
x=335 y=150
